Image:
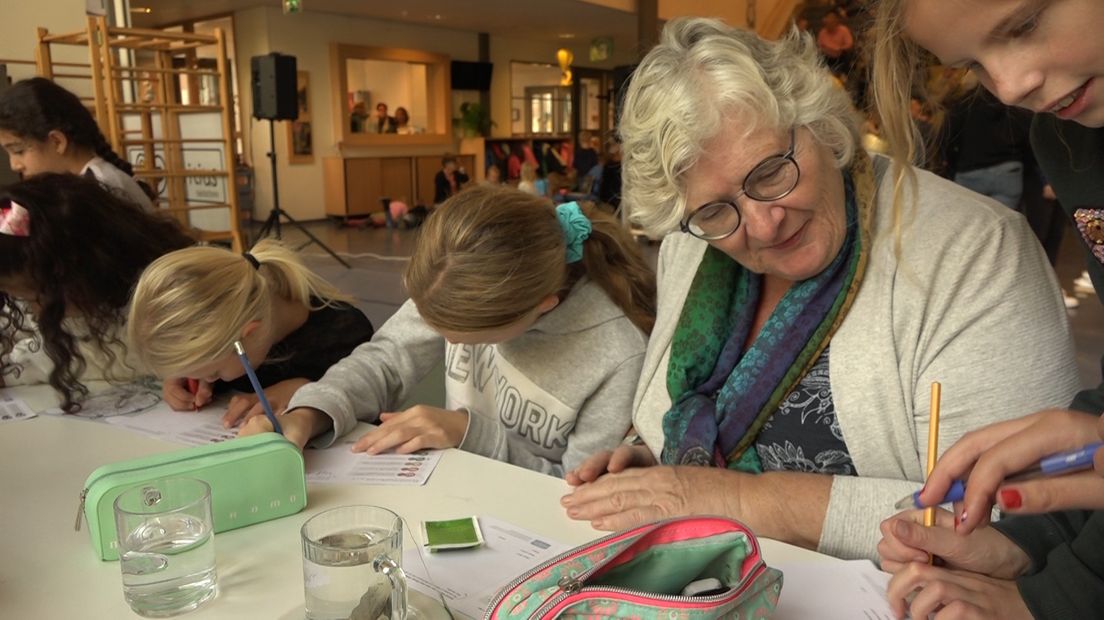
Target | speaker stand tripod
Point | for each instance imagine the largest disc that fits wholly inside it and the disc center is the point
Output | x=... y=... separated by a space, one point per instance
x=272 y=224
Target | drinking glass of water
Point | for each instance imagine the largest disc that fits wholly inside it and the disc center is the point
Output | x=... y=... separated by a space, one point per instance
x=166 y=546
x=352 y=565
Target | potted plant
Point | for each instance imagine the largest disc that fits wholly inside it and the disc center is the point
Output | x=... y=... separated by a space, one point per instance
x=475 y=119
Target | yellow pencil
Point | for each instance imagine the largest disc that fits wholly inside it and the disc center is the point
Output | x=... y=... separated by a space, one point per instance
x=933 y=448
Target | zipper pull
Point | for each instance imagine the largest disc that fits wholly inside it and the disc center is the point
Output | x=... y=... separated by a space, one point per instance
x=80 y=509
x=570 y=585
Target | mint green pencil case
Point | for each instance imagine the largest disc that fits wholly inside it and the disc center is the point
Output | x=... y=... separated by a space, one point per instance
x=253 y=479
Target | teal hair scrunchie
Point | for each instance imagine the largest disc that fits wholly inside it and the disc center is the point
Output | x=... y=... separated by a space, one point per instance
x=576 y=229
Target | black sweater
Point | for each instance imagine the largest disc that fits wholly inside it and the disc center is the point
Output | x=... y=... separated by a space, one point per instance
x=328 y=336
x=982 y=132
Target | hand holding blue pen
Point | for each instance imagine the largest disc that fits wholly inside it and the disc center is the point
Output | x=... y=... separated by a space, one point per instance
x=1062 y=463
x=240 y=350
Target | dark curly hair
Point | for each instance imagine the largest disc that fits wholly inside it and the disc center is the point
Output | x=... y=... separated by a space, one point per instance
x=85 y=251
x=34 y=107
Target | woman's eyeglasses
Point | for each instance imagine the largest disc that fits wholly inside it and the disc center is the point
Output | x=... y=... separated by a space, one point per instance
x=771 y=179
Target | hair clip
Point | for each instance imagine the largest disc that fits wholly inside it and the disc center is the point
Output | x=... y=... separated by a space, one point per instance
x=15 y=220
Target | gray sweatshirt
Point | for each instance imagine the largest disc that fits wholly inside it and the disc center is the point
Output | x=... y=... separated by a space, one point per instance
x=971 y=302
x=545 y=400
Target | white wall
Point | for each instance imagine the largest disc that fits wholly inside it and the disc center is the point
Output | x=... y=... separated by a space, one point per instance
x=18 y=35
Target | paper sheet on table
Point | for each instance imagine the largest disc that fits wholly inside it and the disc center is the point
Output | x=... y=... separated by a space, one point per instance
x=193 y=428
x=833 y=590
x=339 y=464
x=13 y=409
x=469 y=578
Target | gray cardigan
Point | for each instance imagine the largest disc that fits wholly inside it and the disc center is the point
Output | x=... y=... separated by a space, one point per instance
x=971 y=303
x=545 y=400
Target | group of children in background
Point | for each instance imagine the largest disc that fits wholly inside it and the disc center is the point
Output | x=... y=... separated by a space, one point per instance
x=96 y=284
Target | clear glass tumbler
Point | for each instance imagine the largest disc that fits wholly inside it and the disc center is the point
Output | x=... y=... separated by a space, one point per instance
x=166 y=546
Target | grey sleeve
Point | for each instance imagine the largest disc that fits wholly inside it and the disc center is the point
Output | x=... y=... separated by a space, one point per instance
x=601 y=424
x=376 y=376
x=994 y=332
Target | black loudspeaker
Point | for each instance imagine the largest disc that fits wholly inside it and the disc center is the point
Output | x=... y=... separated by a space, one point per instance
x=274 y=82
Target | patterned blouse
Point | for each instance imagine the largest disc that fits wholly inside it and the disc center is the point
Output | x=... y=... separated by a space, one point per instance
x=804 y=434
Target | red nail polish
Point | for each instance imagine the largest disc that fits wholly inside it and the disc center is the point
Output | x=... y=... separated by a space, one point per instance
x=1010 y=498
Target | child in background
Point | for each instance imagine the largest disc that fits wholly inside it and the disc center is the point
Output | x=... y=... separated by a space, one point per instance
x=190 y=307
x=70 y=253
x=45 y=128
x=528 y=182
x=541 y=316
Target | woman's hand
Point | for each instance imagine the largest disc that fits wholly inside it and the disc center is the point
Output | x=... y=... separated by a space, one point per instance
x=610 y=461
x=641 y=495
x=952 y=594
x=992 y=453
x=298 y=425
x=245 y=406
x=418 y=428
x=906 y=541
x=176 y=394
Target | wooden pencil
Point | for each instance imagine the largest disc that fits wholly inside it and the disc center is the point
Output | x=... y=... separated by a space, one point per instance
x=933 y=447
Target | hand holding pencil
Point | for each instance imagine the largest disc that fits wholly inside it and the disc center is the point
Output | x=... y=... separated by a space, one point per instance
x=996 y=462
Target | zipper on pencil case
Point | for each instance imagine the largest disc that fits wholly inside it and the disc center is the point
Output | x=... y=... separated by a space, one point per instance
x=639 y=532
x=570 y=553
x=574 y=588
x=84 y=491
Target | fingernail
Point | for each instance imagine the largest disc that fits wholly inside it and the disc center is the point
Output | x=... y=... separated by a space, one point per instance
x=566 y=500
x=960 y=520
x=1010 y=498
x=573 y=512
x=900 y=528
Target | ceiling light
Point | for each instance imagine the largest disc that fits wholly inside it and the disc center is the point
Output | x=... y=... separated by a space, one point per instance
x=567 y=35
x=141 y=9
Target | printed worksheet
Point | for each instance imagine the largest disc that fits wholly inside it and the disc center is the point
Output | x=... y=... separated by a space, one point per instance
x=13 y=409
x=469 y=578
x=193 y=428
x=338 y=464
x=833 y=590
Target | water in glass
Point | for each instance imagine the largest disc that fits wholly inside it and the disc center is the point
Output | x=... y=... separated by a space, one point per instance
x=340 y=581
x=168 y=565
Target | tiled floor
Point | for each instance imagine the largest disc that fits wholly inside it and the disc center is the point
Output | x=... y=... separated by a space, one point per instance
x=376 y=281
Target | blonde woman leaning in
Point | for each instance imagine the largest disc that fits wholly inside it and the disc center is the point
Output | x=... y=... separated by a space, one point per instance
x=540 y=314
x=190 y=306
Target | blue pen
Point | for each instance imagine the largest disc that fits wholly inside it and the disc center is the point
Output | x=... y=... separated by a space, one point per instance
x=257 y=386
x=1054 y=465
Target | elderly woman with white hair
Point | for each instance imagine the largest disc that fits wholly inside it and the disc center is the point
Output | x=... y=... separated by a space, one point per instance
x=802 y=317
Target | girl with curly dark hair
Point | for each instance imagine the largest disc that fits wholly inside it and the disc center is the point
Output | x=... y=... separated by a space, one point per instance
x=70 y=253
x=45 y=128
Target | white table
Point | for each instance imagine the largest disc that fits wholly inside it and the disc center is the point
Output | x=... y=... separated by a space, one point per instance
x=48 y=571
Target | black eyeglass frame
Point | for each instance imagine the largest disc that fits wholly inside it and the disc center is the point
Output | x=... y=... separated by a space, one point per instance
x=684 y=224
